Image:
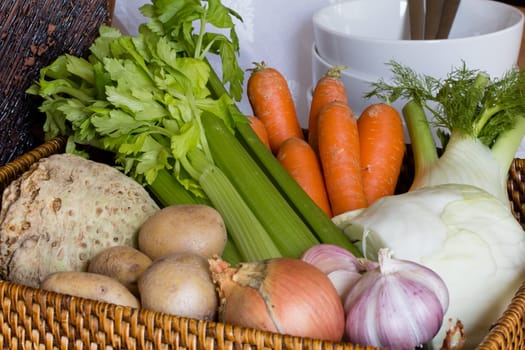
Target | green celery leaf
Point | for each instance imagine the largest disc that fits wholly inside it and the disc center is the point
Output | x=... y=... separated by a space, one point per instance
x=142 y=109
x=101 y=45
x=219 y=15
x=118 y=123
x=82 y=68
x=187 y=139
x=125 y=72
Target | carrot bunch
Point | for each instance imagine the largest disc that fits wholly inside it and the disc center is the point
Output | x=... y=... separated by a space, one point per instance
x=360 y=157
x=345 y=162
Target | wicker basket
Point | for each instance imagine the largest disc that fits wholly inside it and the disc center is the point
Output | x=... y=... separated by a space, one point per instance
x=37 y=319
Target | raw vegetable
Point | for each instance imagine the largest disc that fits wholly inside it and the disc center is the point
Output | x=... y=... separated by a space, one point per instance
x=123 y=263
x=90 y=285
x=272 y=102
x=183 y=228
x=179 y=284
x=259 y=128
x=62 y=212
x=299 y=159
x=167 y=190
x=455 y=219
x=143 y=97
x=327 y=89
x=339 y=155
x=382 y=146
x=342 y=267
x=176 y=20
x=282 y=295
x=397 y=305
x=285 y=228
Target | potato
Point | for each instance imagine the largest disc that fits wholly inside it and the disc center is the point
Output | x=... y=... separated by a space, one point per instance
x=179 y=284
x=123 y=263
x=63 y=211
x=181 y=228
x=90 y=285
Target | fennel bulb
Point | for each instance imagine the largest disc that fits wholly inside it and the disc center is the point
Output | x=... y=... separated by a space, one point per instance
x=456 y=217
x=463 y=233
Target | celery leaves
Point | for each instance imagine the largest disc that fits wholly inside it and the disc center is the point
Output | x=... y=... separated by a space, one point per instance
x=188 y=24
x=147 y=110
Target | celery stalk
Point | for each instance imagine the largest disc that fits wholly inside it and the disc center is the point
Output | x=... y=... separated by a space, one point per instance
x=247 y=232
x=286 y=229
x=168 y=191
x=231 y=253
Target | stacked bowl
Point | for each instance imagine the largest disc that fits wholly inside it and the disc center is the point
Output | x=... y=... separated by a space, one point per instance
x=364 y=35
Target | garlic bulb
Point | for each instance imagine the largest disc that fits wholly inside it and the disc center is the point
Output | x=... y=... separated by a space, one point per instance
x=399 y=305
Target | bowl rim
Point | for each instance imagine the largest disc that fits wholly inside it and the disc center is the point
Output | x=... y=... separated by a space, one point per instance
x=360 y=38
x=347 y=72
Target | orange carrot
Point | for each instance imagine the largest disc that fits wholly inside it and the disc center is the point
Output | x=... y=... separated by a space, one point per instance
x=300 y=160
x=272 y=102
x=382 y=143
x=339 y=153
x=259 y=129
x=329 y=88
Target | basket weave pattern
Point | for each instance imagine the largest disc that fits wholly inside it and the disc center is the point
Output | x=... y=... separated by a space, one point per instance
x=32 y=318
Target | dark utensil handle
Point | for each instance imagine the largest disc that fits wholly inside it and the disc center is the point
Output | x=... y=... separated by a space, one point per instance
x=448 y=14
x=416 y=15
x=432 y=18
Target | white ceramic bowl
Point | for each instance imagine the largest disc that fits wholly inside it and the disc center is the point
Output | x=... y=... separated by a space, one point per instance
x=365 y=34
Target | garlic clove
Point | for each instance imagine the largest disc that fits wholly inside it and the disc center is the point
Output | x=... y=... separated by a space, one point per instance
x=343 y=281
x=329 y=257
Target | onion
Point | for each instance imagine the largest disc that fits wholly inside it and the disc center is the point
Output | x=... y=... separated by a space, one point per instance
x=398 y=305
x=283 y=295
x=341 y=266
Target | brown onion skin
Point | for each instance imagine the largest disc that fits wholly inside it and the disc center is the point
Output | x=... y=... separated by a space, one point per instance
x=300 y=297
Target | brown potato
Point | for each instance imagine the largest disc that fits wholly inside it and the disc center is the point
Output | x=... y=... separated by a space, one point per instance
x=123 y=263
x=90 y=285
x=182 y=228
x=179 y=284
